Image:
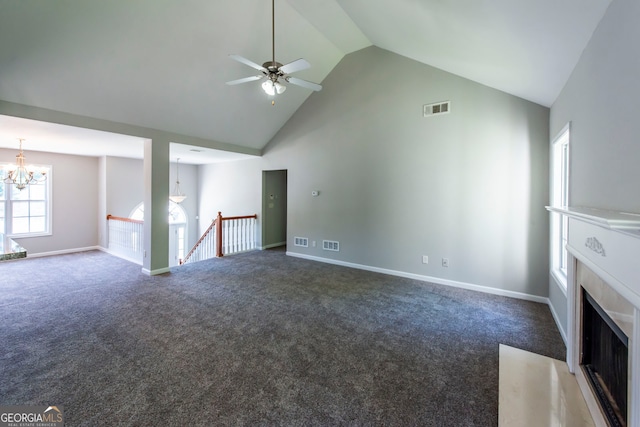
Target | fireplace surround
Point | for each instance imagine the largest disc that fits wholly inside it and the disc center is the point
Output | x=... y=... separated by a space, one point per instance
x=604 y=359
x=604 y=262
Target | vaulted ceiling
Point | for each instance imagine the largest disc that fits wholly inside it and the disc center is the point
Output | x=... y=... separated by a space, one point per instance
x=163 y=64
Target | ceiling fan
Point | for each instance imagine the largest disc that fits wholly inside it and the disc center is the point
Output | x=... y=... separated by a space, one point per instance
x=274 y=73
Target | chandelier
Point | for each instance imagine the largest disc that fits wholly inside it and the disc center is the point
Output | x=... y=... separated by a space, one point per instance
x=177 y=196
x=20 y=175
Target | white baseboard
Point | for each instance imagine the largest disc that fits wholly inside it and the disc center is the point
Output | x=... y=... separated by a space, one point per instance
x=155 y=272
x=563 y=288
x=273 y=245
x=558 y=324
x=124 y=257
x=430 y=279
x=139 y=262
x=62 y=252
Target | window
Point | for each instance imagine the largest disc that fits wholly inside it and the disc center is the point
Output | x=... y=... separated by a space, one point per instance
x=177 y=215
x=26 y=212
x=560 y=199
x=177 y=230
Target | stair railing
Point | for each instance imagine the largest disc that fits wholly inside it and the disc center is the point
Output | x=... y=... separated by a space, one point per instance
x=125 y=237
x=224 y=236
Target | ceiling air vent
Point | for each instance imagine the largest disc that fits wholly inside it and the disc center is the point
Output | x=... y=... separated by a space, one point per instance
x=438 y=108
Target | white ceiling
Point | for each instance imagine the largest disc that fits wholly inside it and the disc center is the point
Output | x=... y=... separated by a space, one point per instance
x=163 y=65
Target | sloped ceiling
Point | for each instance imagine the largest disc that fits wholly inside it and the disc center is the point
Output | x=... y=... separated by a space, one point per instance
x=164 y=64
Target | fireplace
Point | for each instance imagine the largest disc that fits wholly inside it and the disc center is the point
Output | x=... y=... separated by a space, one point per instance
x=604 y=360
x=603 y=307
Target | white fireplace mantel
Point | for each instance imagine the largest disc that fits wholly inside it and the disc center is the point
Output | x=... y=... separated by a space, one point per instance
x=623 y=222
x=608 y=243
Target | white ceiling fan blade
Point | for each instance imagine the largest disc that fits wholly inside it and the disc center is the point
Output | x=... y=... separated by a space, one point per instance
x=297 y=65
x=251 y=64
x=244 y=80
x=304 y=83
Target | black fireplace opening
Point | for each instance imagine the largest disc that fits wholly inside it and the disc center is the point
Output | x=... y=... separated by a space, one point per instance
x=605 y=353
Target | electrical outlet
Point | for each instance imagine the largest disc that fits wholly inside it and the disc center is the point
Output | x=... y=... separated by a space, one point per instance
x=313 y=244
x=445 y=262
x=425 y=259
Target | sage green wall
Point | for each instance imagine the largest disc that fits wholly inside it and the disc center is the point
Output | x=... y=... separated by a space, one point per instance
x=601 y=102
x=470 y=186
x=274 y=208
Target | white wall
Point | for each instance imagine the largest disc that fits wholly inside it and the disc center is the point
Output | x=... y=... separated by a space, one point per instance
x=74 y=196
x=190 y=186
x=233 y=188
x=125 y=185
x=601 y=102
x=470 y=186
x=109 y=185
x=125 y=190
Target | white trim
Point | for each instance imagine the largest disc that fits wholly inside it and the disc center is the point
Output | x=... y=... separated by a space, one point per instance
x=634 y=356
x=558 y=324
x=116 y=254
x=624 y=222
x=28 y=235
x=156 y=272
x=558 y=279
x=430 y=279
x=573 y=321
x=273 y=245
x=62 y=252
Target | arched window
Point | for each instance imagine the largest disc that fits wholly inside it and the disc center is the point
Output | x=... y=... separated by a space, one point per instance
x=176 y=213
x=177 y=230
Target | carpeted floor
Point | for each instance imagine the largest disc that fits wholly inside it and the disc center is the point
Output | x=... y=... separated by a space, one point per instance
x=257 y=338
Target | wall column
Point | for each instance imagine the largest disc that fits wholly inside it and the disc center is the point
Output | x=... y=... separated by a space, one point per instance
x=156 y=205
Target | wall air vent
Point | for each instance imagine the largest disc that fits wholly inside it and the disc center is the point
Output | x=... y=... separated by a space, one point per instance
x=331 y=245
x=301 y=241
x=436 y=109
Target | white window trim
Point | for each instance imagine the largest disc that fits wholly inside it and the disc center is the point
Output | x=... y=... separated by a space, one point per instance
x=555 y=240
x=7 y=212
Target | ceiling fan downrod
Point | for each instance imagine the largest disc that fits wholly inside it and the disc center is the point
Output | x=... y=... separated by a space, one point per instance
x=273 y=31
x=274 y=73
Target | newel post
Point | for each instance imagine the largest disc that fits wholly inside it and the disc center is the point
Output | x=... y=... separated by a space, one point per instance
x=219 y=235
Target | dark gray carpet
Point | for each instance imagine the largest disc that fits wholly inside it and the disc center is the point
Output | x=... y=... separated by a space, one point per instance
x=254 y=339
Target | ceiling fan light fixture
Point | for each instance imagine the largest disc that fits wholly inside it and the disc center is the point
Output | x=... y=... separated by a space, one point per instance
x=269 y=88
x=272 y=88
x=273 y=70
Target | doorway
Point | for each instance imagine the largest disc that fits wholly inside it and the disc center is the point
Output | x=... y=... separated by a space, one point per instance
x=274 y=209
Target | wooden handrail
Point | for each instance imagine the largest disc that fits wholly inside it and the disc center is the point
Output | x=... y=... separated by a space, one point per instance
x=217 y=223
x=193 y=249
x=254 y=216
x=119 y=218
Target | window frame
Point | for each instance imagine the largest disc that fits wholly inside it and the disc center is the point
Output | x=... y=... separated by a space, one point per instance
x=560 y=196
x=8 y=202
